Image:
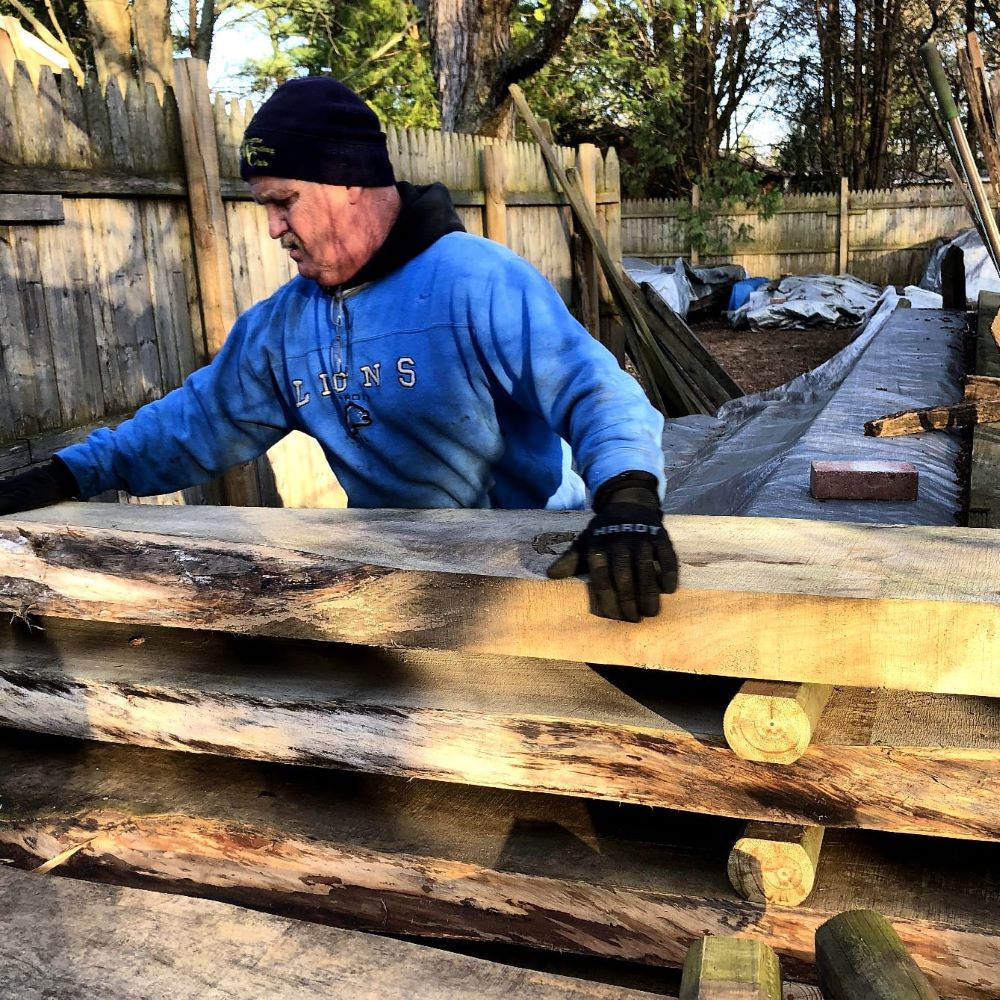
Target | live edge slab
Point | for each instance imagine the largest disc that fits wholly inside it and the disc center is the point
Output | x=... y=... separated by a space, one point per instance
x=912 y=608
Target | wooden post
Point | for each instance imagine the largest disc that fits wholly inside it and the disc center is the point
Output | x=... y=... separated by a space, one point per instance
x=844 y=226
x=775 y=863
x=730 y=968
x=613 y=333
x=859 y=954
x=773 y=721
x=494 y=180
x=695 y=205
x=210 y=236
x=586 y=168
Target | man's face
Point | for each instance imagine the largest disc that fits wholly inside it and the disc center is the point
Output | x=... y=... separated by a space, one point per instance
x=318 y=224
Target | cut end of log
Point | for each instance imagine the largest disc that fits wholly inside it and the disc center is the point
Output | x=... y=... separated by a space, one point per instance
x=773 y=721
x=775 y=864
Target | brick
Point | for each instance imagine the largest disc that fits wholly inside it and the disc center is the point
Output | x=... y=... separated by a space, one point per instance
x=863 y=480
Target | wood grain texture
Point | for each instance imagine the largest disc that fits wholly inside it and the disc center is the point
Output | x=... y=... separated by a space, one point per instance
x=30 y=209
x=934 y=418
x=729 y=968
x=881 y=759
x=859 y=954
x=773 y=721
x=63 y=939
x=440 y=861
x=775 y=599
x=775 y=864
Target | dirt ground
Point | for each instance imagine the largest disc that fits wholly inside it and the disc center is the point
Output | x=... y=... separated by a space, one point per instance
x=769 y=358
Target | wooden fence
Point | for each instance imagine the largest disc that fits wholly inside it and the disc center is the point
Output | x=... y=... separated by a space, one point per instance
x=879 y=236
x=102 y=304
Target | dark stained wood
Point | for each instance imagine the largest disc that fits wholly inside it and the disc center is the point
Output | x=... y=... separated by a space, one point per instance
x=30 y=209
x=858 y=954
x=412 y=857
x=885 y=760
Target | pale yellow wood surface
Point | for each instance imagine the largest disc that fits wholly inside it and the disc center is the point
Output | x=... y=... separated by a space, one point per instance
x=730 y=968
x=776 y=599
x=773 y=721
x=775 y=864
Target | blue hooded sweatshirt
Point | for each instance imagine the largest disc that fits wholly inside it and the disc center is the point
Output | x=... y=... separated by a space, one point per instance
x=458 y=379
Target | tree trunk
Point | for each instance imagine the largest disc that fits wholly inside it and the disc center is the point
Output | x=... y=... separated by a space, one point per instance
x=111 y=38
x=153 y=44
x=473 y=63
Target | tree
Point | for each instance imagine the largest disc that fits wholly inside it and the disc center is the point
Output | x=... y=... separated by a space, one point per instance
x=852 y=96
x=668 y=83
x=475 y=61
x=375 y=47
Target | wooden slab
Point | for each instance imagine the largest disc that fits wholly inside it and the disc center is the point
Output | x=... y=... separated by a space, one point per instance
x=880 y=759
x=68 y=940
x=775 y=599
x=422 y=858
x=30 y=209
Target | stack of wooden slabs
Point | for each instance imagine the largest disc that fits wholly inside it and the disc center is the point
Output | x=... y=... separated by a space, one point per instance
x=429 y=645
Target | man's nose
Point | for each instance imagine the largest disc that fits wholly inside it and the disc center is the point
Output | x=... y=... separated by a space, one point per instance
x=276 y=225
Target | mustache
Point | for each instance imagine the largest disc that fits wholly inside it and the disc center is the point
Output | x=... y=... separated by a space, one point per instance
x=289 y=241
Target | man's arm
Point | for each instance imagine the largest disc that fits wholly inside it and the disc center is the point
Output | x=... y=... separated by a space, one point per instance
x=552 y=366
x=224 y=414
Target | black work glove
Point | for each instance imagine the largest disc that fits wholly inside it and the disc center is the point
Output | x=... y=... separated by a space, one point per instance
x=625 y=549
x=39 y=487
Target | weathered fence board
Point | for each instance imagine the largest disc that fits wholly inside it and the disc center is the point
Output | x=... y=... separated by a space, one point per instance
x=888 y=236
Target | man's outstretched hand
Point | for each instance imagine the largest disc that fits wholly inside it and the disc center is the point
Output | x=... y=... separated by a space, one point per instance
x=625 y=549
x=39 y=487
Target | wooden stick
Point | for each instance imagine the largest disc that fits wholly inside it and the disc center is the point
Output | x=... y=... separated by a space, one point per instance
x=730 y=968
x=981 y=387
x=495 y=224
x=982 y=78
x=773 y=721
x=586 y=167
x=699 y=363
x=209 y=231
x=859 y=954
x=980 y=120
x=775 y=864
x=839 y=603
x=658 y=370
x=934 y=418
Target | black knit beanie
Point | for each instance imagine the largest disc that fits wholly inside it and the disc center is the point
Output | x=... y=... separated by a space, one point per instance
x=316 y=129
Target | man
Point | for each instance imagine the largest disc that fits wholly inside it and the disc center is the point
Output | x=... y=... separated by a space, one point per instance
x=435 y=368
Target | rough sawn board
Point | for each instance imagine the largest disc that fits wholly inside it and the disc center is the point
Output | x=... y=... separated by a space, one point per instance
x=868 y=605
